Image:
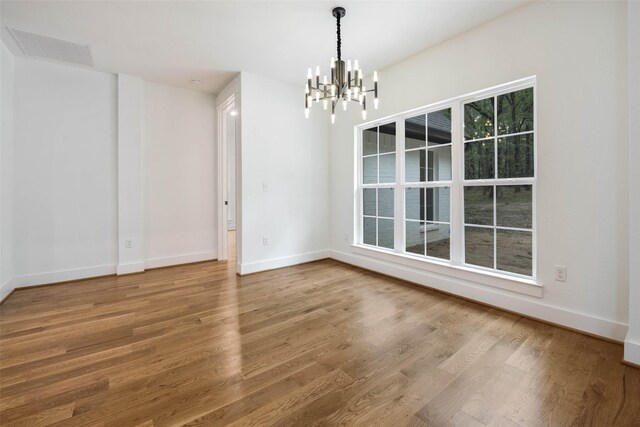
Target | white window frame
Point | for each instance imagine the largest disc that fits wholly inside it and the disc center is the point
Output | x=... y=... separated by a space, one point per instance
x=455 y=266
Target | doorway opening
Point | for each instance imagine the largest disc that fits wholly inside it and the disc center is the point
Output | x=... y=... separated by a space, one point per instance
x=228 y=180
x=231 y=183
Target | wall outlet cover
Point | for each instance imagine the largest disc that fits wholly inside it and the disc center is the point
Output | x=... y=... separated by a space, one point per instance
x=561 y=273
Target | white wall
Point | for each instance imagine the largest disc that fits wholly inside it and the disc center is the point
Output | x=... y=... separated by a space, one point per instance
x=6 y=170
x=179 y=175
x=632 y=343
x=578 y=51
x=288 y=153
x=130 y=175
x=65 y=206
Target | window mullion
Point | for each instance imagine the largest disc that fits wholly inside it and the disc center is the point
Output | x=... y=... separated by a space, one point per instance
x=495 y=187
x=457 y=158
x=399 y=237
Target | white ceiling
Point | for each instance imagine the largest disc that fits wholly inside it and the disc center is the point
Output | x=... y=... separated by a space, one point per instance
x=174 y=42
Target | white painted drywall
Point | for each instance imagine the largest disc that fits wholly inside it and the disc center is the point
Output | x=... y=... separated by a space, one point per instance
x=289 y=154
x=578 y=51
x=65 y=154
x=632 y=342
x=6 y=170
x=130 y=175
x=179 y=175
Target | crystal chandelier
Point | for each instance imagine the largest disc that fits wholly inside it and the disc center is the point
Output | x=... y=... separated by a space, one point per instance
x=345 y=84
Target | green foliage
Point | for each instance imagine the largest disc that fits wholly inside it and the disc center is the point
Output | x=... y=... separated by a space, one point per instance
x=515 y=153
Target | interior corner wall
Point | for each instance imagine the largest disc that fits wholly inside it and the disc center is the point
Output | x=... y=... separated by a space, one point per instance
x=6 y=170
x=579 y=57
x=64 y=172
x=180 y=178
x=284 y=171
x=632 y=342
x=130 y=175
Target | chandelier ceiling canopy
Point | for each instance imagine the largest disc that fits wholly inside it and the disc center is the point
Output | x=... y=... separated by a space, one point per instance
x=345 y=83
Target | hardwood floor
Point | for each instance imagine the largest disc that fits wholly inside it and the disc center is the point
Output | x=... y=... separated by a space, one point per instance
x=317 y=344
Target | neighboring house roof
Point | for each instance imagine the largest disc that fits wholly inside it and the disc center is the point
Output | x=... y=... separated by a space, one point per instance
x=439 y=127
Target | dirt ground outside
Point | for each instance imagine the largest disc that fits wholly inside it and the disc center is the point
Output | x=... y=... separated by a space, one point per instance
x=514 y=248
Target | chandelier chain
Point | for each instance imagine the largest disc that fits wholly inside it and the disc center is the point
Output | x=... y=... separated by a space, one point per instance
x=339 y=39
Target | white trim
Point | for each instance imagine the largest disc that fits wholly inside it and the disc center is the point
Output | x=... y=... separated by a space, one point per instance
x=632 y=344
x=64 y=275
x=632 y=351
x=530 y=307
x=179 y=259
x=132 y=267
x=6 y=288
x=274 y=263
x=487 y=277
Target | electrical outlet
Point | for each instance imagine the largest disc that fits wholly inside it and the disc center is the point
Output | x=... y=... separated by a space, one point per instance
x=561 y=273
x=128 y=243
x=265 y=187
x=265 y=240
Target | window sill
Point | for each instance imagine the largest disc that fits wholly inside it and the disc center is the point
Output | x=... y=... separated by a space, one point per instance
x=488 y=278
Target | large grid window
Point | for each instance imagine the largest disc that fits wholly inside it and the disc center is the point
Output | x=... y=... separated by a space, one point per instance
x=498 y=182
x=454 y=182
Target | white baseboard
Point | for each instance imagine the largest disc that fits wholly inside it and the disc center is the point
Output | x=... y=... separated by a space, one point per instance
x=63 y=275
x=274 y=263
x=632 y=351
x=98 y=270
x=180 y=259
x=6 y=288
x=530 y=307
x=132 y=267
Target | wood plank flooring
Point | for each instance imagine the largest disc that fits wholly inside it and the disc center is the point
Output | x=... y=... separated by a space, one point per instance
x=318 y=344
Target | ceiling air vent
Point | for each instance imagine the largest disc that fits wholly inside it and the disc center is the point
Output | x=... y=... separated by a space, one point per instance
x=35 y=45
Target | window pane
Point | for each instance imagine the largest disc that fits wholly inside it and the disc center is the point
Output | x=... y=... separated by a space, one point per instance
x=414 y=203
x=439 y=127
x=369 y=231
x=479 y=160
x=478 y=119
x=415 y=237
x=415 y=165
x=515 y=112
x=478 y=246
x=514 y=251
x=388 y=138
x=515 y=156
x=385 y=233
x=414 y=132
x=438 y=204
x=513 y=206
x=369 y=141
x=440 y=163
x=387 y=168
x=438 y=240
x=478 y=205
x=370 y=170
x=385 y=202
x=369 y=201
